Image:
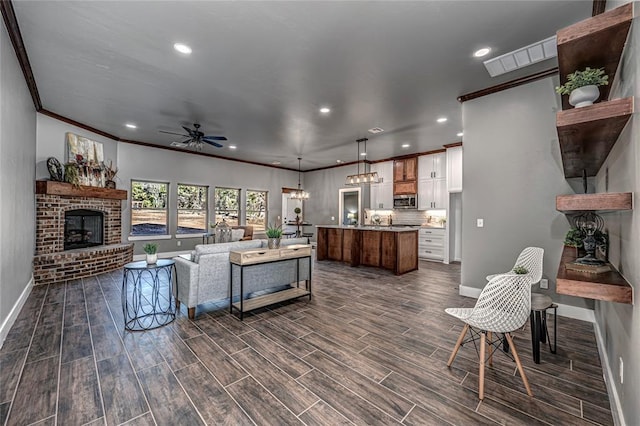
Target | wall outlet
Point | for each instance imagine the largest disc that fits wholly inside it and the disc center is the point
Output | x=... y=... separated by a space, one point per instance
x=333 y=218
x=480 y=223
x=179 y=243
x=621 y=370
x=544 y=283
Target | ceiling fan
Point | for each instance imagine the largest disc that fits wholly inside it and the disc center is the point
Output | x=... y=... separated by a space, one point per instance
x=196 y=138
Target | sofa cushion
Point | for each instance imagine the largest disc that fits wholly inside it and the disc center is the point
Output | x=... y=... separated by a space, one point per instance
x=237 y=234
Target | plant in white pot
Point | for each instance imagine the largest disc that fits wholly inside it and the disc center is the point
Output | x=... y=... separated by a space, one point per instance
x=152 y=253
x=582 y=86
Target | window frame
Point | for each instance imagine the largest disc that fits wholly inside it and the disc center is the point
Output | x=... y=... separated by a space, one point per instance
x=266 y=208
x=239 y=203
x=139 y=237
x=206 y=212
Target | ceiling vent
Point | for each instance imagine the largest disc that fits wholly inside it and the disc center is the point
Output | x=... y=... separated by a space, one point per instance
x=522 y=57
x=375 y=130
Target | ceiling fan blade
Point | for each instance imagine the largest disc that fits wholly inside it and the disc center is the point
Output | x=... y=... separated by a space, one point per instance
x=216 y=144
x=172 y=133
x=190 y=131
x=215 y=138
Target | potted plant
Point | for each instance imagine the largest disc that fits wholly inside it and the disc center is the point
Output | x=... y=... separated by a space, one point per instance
x=151 y=250
x=582 y=86
x=574 y=238
x=274 y=233
x=520 y=270
x=297 y=211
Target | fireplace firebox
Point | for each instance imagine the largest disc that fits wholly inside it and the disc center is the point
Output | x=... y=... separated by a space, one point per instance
x=83 y=228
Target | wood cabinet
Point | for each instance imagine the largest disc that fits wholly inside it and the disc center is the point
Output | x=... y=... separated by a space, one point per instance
x=587 y=135
x=381 y=194
x=454 y=169
x=405 y=174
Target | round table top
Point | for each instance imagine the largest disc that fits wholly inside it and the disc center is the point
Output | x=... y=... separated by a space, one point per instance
x=540 y=302
x=142 y=264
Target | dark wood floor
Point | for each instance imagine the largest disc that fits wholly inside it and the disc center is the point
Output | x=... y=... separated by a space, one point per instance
x=370 y=348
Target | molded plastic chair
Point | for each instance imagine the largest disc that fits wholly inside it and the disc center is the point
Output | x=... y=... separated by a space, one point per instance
x=503 y=306
x=531 y=259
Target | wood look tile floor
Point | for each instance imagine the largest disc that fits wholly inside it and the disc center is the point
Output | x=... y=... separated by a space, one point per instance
x=370 y=348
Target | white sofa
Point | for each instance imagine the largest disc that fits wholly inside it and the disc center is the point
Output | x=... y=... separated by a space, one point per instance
x=205 y=278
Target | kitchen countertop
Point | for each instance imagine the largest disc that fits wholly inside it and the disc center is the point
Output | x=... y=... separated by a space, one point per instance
x=373 y=228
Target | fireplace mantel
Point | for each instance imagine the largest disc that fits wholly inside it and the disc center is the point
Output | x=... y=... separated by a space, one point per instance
x=63 y=189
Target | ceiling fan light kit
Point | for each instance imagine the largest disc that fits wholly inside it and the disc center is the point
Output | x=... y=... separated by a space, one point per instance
x=299 y=194
x=195 y=138
x=365 y=178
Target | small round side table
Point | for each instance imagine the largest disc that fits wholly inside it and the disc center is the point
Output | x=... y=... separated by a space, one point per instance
x=147 y=295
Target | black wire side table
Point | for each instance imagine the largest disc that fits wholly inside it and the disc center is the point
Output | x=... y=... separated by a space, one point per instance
x=147 y=295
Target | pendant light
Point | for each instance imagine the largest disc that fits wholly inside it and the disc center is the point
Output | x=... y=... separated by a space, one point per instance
x=299 y=194
x=364 y=177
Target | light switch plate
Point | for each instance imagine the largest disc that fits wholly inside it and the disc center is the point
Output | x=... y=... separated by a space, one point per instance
x=544 y=283
x=480 y=223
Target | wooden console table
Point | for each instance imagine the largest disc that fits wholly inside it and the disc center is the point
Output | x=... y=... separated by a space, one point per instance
x=242 y=259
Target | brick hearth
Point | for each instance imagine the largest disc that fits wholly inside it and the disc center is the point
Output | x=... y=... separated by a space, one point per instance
x=51 y=263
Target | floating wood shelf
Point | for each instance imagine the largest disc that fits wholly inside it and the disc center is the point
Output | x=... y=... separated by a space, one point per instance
x=64 y=189
x=587 y=134
x=605 y=202
x=609 y=286
x=595 y=42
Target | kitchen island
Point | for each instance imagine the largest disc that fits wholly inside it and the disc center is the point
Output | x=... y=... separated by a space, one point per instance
x=393 y=248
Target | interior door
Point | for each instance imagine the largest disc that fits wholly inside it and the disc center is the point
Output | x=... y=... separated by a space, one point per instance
x=288 y=214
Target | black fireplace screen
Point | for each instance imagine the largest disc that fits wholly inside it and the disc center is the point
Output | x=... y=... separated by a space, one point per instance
x=83 y=228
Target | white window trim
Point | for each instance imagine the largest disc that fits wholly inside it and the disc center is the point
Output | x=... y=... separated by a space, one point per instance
x=189 y=235
x=149 y=237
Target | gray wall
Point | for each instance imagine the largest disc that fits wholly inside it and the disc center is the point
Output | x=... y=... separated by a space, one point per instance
x=619 y=324
x=512 y=174
x=17 y=173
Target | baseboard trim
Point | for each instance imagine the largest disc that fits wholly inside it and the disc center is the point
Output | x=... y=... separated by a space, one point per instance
x=567 y=311
x=163 y=255
x=15 y=311
x=612 y=391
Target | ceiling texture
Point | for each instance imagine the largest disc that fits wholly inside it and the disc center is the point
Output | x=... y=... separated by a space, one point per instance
x=260 y=71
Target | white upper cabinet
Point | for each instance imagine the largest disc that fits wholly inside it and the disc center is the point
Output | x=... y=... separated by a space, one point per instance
x=382 y=193
x=433 y=166
x=454 y=169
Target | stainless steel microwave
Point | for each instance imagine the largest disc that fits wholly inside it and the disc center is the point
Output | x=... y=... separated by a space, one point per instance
x=405 y=201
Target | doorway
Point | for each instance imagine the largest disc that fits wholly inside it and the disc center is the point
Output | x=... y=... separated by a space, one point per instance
x=350 y=206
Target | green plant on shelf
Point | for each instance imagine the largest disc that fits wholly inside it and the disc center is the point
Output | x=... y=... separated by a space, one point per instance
x=274 y=232
x=588 y=77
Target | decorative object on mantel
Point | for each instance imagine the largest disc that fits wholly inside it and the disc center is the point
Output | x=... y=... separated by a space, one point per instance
x=364 y=177
x=299 y=194
x=56 y=171
x=71 y=175
x=88 y=157
x=274 y=233
x=151 y=250
x=582 y=86
x=109 y=175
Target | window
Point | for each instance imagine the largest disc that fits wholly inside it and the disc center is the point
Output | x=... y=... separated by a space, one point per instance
x=192 y=209
x=227 y=205
x=149 y=213
x=256 y=210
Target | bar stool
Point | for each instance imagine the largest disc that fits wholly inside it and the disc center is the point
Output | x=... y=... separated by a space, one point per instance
x=538 y=320
x=308 y=236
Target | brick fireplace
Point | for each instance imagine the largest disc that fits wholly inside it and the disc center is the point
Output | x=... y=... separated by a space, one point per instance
x=52 y=263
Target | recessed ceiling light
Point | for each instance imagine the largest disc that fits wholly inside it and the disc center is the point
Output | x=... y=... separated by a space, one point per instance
x=325 y=110
x=482 y=52
x=338 y=161
x=460 y=134
x=405 y=145
x=275 y=163
x=442 y=119
x=232 y=147
x=131 y=126
x=182 y=48
x=363 y=154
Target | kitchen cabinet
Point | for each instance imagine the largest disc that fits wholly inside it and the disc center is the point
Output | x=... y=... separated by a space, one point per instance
x=431 y=243
x=432 y=194
x=432 y=166
x=405 y=173
x=381 y=194
x=454 y=169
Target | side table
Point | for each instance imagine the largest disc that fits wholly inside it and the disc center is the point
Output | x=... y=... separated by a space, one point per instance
x=147 y=295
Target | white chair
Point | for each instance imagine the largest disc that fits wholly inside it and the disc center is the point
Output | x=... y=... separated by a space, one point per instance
x=531 y=259
x=503 y=306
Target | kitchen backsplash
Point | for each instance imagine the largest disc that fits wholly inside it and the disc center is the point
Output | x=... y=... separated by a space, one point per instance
x=406 y=217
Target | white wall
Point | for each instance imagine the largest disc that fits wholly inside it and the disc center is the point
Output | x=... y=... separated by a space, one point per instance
x=512 y=174
x=17 y=173
x=619 y=324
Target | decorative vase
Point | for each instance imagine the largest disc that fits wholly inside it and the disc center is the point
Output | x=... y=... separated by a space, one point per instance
x=152 y=259
x=584 y=96
x=273 y=243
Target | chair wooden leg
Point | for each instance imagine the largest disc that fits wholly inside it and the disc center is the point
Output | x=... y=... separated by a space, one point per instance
x=489 y=348
x=518 y=363
x=483 y=339
x=458 y=344
x=191 y=312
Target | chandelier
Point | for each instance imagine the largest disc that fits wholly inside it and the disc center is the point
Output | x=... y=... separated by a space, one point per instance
x=299 y=194
x=364 y=177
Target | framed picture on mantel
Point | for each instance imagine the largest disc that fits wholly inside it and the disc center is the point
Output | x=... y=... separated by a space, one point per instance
x=88 y=156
